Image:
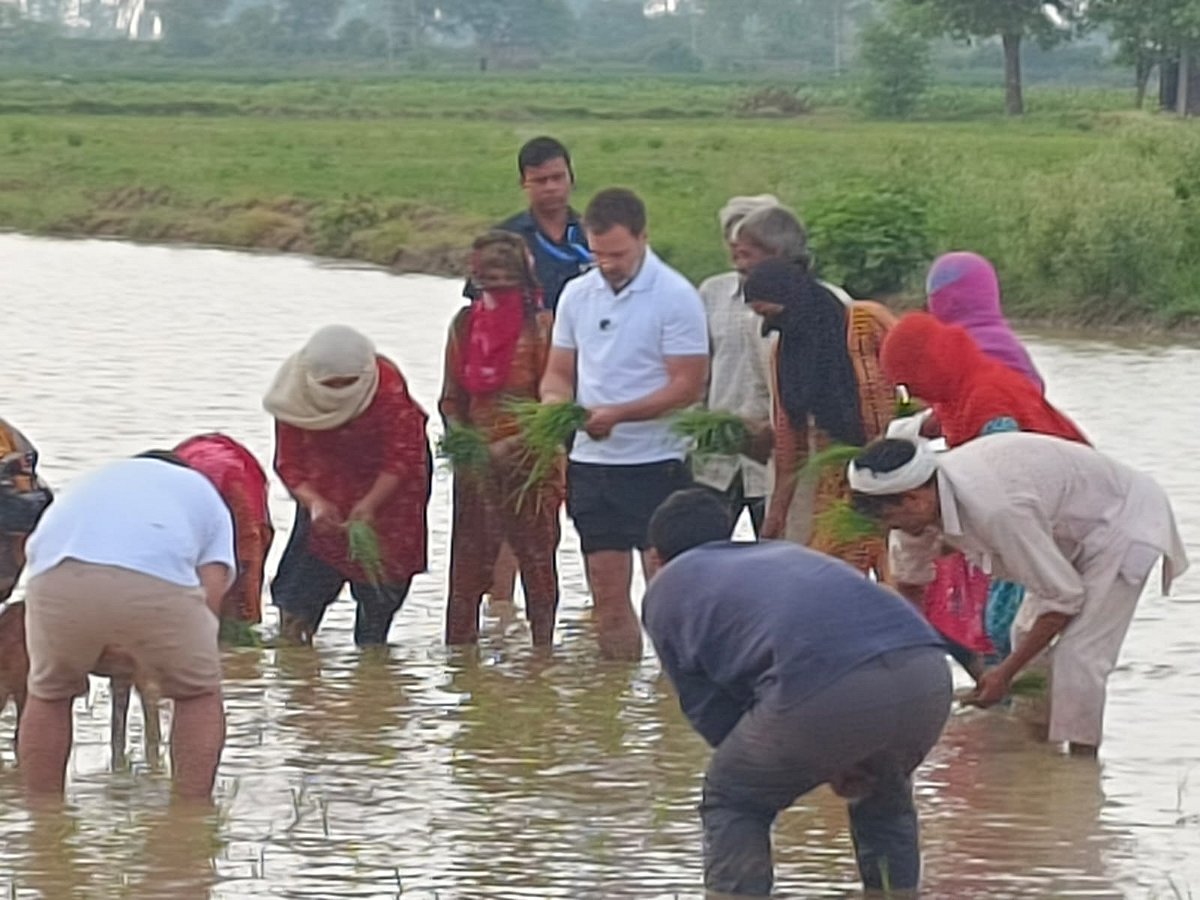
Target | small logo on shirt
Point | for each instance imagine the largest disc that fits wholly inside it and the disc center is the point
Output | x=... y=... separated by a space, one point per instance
x=606 y=324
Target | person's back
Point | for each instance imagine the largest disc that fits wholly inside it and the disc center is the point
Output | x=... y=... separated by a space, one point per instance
x=134 y=559
x=1093 y=505
x=798 y=672
x=774 y=622
x=144 y=515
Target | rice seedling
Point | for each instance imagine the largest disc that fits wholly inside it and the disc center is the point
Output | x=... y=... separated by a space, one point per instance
x=465 y=448
x=364 y=550
x=905 y=405
x=836 y=455
x=1029 y=684
x=545 y=428
x=236 y=633
x=843 y=524
x=711 y=432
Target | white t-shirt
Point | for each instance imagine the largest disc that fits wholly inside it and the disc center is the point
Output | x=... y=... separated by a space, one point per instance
x=144 y=515
x=621 y=342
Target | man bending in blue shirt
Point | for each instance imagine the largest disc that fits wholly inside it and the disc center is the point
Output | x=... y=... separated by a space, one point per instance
x=799 y=672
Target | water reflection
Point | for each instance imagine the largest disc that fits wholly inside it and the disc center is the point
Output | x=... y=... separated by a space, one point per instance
x=503 y=773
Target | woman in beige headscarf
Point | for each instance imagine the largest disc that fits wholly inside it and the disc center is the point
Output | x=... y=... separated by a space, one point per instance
x=350 y=445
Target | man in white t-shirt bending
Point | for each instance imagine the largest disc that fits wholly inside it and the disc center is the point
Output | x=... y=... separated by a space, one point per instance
x=135 y=557
x=631 y=345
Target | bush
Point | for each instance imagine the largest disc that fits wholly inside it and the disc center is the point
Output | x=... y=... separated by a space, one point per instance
x=1110 y=239
x=871 y=240
x=772 y=101
x=333 y=225
x=896 y=63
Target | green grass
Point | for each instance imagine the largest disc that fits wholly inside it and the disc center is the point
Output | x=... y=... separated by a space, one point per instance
x=403 y=172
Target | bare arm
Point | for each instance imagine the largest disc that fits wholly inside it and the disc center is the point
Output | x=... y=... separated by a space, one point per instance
x=558 y=381
x=996 y=683
x=214 y=579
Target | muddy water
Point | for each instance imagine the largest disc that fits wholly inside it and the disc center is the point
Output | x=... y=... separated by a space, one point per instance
x=422 y=773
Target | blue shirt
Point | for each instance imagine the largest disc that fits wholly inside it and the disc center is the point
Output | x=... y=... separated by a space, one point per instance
x=555 y=262
x=738 y=624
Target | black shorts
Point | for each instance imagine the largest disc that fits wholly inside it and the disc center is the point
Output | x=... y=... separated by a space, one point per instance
x=612 y=505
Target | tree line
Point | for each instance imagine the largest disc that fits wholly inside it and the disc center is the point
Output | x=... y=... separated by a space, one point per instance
x=814 y=36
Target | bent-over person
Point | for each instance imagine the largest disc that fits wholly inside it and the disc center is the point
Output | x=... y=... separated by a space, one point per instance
x=1079 y=530
x=135 y=557
x=350 y=446
x=798 y=672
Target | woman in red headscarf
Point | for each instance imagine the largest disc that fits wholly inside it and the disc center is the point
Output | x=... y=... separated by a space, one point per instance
x=497 y=351
x=972 y=394
x=242 y=484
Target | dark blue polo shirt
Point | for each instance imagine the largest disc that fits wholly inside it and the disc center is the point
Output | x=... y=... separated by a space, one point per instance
x=738 y=624
x=555 y=263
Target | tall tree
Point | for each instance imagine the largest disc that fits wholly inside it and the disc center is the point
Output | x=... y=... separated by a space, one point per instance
x=1046 y=21
x=1163 y=33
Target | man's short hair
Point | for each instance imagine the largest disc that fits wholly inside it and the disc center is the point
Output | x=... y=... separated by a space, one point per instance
x=687 y=519
x=541 y=150
x=882 y=456
x=167 y=456
x=613 y=207
x=778 y=231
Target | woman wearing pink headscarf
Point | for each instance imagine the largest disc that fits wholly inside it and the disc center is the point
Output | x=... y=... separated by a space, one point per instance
x=963 y=290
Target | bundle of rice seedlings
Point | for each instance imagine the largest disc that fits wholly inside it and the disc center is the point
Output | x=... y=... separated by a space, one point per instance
x=836 y=455
x=1029 y=684
x=846 y=525
x=364 y=550
x=465 y=448
x=236 y=633
x=712 y=432
x=545 y=428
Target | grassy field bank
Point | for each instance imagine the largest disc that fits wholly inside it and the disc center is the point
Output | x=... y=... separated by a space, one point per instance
x=1087 y=209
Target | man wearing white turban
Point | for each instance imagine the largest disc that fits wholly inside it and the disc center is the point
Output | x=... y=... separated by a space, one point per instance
x=1079 y=530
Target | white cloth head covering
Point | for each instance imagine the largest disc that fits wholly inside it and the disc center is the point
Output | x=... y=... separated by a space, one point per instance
x=297 y=395
x=910 y=476
x=739 y=207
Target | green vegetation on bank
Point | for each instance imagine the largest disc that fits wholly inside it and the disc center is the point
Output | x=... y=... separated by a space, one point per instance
x=1090 y=212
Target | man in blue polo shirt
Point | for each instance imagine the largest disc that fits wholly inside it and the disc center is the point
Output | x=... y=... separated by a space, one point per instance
x=798 y=672
x=549 y=226
x=552 y=231
x=631 y=345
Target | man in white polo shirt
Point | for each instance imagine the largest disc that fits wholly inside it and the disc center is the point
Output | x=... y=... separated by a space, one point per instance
x=631 y=345
x=137 y=557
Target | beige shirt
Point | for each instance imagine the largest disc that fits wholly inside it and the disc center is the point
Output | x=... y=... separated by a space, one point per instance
x=739 y=379
x=1058 y=517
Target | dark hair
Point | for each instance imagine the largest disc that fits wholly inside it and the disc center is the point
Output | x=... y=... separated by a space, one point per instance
x=883 y=455
x=167 y=456
x=541 y=150
x=815 y=372
x=613 y=207
x=687 y=519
